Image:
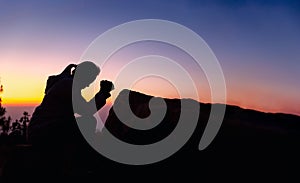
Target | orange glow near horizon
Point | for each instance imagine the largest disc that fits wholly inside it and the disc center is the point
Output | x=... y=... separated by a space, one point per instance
x=21 y=102
x=24 y=83
x=276 y=109
x=246 y=104
x=252 y=95
x=22 y=90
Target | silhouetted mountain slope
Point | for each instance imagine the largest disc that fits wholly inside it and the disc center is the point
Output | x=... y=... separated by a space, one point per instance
x=248 y=142
x=239 y=122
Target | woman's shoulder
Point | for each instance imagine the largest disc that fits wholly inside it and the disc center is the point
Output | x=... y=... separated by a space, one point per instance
x=66 y=80
x=63 y=84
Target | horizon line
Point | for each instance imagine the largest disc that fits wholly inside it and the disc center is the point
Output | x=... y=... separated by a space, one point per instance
x=35 y=104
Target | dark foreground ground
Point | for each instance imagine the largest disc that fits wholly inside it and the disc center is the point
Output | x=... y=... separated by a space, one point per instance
x=250 y=145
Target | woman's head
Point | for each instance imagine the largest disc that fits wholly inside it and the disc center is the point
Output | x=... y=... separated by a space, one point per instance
x=85 y=73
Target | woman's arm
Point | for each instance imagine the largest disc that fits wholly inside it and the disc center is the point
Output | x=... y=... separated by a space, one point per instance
x=87 y=108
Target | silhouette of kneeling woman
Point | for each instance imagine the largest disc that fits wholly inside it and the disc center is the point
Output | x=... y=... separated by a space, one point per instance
x=53 y=120
x=53 y=124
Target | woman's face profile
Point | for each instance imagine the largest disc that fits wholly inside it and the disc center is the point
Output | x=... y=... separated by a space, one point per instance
x=85 y=74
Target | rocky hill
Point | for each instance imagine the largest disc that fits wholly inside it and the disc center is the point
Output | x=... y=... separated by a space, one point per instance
x=248 y=142
x=248 y=128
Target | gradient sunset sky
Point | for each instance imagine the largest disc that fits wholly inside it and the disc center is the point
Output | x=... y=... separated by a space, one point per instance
x=256 y=42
